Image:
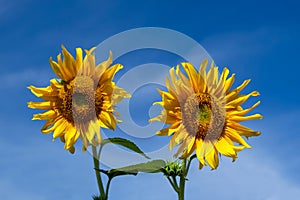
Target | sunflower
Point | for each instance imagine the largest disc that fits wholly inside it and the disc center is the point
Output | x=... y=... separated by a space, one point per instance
x=204 y=113
x=82 y=101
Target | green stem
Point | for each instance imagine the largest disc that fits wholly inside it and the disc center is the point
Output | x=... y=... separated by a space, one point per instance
x=182 y=180
x=107 y=187
x=96 y=158
x=189 y=163
x=173 y=184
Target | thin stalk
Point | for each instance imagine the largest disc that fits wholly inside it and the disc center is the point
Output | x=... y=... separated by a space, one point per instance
x=182 y=180
x=96 y=158
x=107 y=187
x=189 y=163
x=173 y=184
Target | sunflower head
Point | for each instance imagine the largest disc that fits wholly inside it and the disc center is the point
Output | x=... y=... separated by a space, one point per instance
x=82 y=101
x=204 y=113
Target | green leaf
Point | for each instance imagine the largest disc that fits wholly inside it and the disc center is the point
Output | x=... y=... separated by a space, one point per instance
x=125 y=143
x=116 y=172
x=153 y=166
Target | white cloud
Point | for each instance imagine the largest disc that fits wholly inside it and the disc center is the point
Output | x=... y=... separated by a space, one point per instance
x=254 y=176
x=32 y=167
x=251 y=178
x=47 y=167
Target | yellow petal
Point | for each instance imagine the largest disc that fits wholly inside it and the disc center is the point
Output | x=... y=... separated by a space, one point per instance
x=89 y=63
x=192 y=74
x=199 y=151
x=59 y=60
x=57 y=69
x=78 y=61
x=40 y=105
x=212 y=158
x=69 y=137
x=169 y=130
x=176 y=83
x=100 y=68
x=245 y=118
x=90 y=51
x=90 y=133
x=40 y=92
x=170 y=87
x=59 y=130
x=69 y=67
x=119 y=94
x=49 y=123
x=186 y=147
x=45 y=115
x=178 y=137
x=242 y=130
x=220 y=90
x=234 y=136
x=243 y=112
x=99 y=138
x=228 y=83
x=235 y=92
x=53 y=128
x=107 y=120
x=212 y=78
x=190 y=144
x=110 y=73
x=184 y=79
x=202 y=83
x=225 y=148
x=85 y=143
x=241 y=99
x=112 y=120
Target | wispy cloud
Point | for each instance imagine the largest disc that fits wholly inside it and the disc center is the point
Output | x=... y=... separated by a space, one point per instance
x=238 y=44
x=9 y=191
x=9 y=8
x=35 y=168
x=25 y=77
x=254 y=176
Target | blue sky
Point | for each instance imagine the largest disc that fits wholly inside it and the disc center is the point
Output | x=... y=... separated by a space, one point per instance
x=255 y=39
